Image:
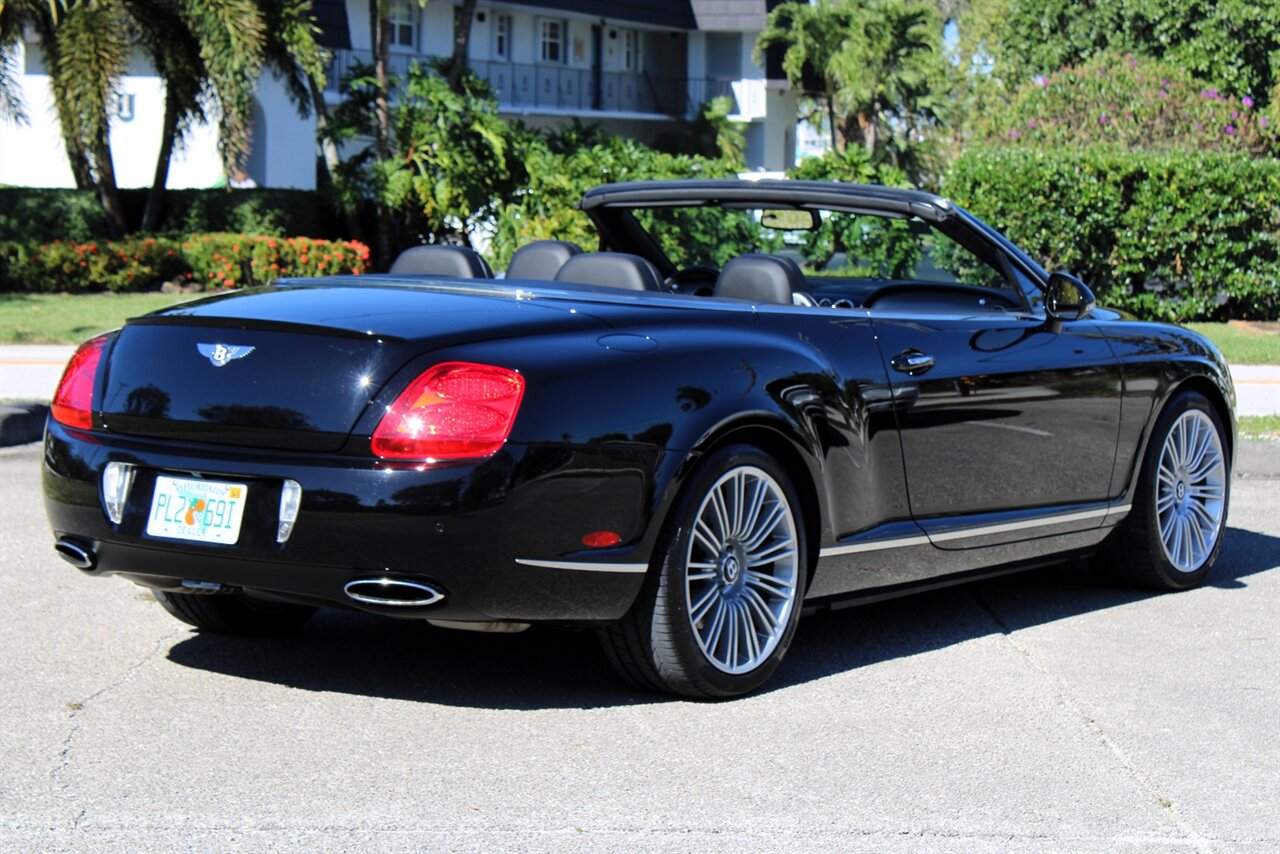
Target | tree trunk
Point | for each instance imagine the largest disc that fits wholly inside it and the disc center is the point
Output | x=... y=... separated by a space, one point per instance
x=836 y=142
x=379 y=25
x=168 y=136
x=329 y=151
x=79 y=160
x=107 y=189
x=461 y=43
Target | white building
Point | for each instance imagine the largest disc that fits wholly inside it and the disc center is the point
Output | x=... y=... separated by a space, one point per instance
x=629 y=66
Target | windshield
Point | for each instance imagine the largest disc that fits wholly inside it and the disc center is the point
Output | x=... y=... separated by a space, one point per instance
x=826 y=244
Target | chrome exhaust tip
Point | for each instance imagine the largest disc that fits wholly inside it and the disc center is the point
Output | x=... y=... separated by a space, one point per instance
x=80 y=556
x=392 y=592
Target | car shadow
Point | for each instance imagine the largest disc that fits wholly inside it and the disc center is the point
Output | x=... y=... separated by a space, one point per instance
x=364 y=655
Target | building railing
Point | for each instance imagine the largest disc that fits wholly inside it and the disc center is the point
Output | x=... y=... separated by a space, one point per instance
x=527 y=86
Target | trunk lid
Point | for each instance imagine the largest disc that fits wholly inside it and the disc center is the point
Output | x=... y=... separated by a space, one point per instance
x=294 y=367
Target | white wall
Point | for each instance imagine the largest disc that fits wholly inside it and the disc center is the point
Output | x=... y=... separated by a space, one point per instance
x=290 y=140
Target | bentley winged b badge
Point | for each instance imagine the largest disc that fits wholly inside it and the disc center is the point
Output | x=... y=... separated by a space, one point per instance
x=219 y=354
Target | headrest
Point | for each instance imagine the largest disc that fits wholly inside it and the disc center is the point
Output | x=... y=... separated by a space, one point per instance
x=457 y=262
x=541 y=259
x=760 y=279
x=611 y=270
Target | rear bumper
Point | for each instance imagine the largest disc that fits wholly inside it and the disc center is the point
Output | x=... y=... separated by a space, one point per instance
x=501 y=538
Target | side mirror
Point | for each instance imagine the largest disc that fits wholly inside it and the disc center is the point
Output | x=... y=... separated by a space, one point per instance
x=1067 y=298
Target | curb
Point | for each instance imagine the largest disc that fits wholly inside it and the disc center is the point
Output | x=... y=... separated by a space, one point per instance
x=21 y=423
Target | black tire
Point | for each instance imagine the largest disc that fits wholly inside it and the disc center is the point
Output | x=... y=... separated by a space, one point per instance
x=1137 y=551
x=233 y=613
x=657 y=646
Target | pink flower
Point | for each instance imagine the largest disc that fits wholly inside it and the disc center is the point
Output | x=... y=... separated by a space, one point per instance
x=1103 y=119
x=1247 y=102
x=1032 y=123
x=1263 y=121
x=1229 y=130
x=1014 y=134
x=1164 y=94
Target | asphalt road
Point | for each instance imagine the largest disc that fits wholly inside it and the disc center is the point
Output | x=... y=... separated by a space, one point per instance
x=1046 y=711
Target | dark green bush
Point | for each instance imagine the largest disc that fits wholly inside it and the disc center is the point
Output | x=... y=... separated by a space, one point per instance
x=45 y=215
x=1173 y=236
x=207 y=261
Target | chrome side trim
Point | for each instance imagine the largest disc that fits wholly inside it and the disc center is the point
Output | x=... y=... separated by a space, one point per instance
x=584 y=566
x=982 y=531
x=1041 y=522
x=874 y=546
x=1117 y=512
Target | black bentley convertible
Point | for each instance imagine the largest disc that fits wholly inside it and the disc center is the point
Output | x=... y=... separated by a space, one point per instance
x=755 y=398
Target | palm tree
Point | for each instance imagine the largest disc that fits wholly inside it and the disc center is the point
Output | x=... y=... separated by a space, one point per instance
x=40 y=16
x=812 y=35
x=206 y=51
x=889 y=68
x=90 y=55
x=872 y=64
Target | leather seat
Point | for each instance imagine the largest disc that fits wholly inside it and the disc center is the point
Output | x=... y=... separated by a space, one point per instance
x=457 y=262
x=766 y=279
x=541 y=259
x=611 y=270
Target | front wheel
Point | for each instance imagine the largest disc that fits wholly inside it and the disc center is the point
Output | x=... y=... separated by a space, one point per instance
x=1174 y=531
x=720 y=605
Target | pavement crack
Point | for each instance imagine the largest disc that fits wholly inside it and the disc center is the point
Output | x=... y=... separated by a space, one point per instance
x=1068 y=699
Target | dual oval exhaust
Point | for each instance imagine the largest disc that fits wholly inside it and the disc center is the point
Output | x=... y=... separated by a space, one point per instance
x=381 y=591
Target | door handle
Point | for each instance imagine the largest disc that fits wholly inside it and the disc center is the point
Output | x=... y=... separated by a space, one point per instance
x=911 y=362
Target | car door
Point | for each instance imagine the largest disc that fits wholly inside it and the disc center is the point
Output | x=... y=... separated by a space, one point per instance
x=1008 y=422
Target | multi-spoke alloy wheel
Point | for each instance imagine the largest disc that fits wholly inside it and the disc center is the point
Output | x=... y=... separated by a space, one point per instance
x=1173 y=532
x=741 y=569
x=722 y=598
x=1191 y=489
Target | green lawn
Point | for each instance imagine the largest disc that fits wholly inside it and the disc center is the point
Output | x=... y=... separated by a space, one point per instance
x=1259 y=426
x=1242 y=346
x=71 y=318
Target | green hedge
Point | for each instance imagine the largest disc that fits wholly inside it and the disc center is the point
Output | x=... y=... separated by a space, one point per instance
x=1171 y=236
x=206 y=262
x=45 y=215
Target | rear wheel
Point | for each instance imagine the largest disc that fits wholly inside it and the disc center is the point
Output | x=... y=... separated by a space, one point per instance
x=1173 y=534
x=719 y=609
x=233 y=613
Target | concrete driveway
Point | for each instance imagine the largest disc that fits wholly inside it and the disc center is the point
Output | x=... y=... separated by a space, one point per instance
x=1046 y=711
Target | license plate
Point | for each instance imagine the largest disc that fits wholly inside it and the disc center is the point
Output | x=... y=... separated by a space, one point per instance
x=207 y=511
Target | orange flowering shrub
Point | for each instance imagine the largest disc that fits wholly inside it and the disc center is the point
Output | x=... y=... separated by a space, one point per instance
x=213 y=261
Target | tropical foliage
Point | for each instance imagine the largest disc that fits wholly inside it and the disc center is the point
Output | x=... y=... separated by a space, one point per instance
x=873 y=68
x=447 y=161
x=1170 y=235
x=1231 y=44
x=1134 y=102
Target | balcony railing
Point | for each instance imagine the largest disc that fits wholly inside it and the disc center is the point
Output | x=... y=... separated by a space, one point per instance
x=523 y=86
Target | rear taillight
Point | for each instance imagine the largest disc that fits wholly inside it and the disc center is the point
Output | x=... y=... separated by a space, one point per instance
x=452 y=411
x=73 y=401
